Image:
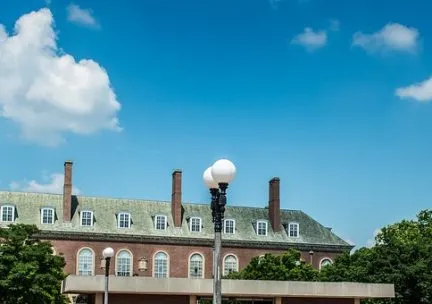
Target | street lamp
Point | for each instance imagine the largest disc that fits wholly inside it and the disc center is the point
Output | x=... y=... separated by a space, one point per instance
x=107 y=253
x=217 y=178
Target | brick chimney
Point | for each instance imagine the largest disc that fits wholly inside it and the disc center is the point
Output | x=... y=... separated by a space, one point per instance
x=176 y=198
x=67 y=191
x=274 y=204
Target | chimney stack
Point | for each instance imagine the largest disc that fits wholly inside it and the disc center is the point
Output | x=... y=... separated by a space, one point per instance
x=67 y=191
x=274 y=203
x=176 y=198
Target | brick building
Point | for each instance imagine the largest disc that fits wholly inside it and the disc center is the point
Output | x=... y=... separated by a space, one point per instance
x=164 y=239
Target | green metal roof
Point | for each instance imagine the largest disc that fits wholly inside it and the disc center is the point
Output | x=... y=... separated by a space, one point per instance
x=142 y=212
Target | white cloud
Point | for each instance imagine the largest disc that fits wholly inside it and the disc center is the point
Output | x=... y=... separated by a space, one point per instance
x=419 y=91
x=311 y=40
x=81 y=16
x=392 y=37
x=48 y=93
x=52 y=183
x=371 y=242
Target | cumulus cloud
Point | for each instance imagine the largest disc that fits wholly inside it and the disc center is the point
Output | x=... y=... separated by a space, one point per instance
x=311 y=39
x=421 y=92
x=47 y=93
x=81 y=16
x=371 y=242
x=52 y=183
x=392 y=37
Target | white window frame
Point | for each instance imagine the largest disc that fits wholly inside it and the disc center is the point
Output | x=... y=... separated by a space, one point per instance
x=119 y=219
x=92 y=261
x=224 y=263
x=167 y=264
x=91 y=218
x=117 y=264
x=42 y=215
x=2 y=211
x=165 y=222
x=233 y=226
x=261 y=222
x=297 y=229
x=201 y=276
x=323 y=260
x=191 y=224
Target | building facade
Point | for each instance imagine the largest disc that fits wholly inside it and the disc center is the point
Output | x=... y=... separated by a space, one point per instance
x=165 y=239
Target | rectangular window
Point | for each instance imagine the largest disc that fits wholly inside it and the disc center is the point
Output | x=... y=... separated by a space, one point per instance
x=229 y=226
x=7 y=213
x=124 y=220
x=86 y=218
x=47 y=216
x=293 y=230
x=160 y=222
x=261 y=228
x=195 y=224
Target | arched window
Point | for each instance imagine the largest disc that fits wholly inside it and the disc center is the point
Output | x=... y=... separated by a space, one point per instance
x=196 y=269
x=124 y=263
x=325 y=262
x=85 y=262
x=160 y=265
x=230 y=264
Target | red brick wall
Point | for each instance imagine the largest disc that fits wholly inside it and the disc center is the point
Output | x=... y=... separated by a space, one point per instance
x=178 y=256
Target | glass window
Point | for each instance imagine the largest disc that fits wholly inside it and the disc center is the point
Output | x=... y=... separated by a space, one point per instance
x=124 y=220
x=85 y=262
x=293 y=229
x=160 y=269
x=229 y=226
x=86 y=218
x=325 y=262
x=124 y=263
x=47 y=216
x=161 y=222
x=230 y=264
x=195 y=224
x=7 y=213
x=262 y=228
x=196 y=270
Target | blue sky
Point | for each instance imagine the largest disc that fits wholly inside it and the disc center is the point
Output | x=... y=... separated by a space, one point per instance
x=331 y=96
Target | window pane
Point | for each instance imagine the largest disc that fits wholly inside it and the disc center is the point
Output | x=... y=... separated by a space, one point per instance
x=47 y=216
x=160 y=222
x=124 y=220
x=7 y=213
x=85 y=262
x=229 y=226
x=86 y=218
x=262 y=228
x=161 y=265
x=293 y=230
x=124 y=260
x=230 y=264
x=196 y=266
x=195 y=224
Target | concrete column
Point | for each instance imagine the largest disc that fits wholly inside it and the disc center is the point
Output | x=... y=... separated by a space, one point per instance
x=277 y=300
x=192 y=300
x=357 y=301
x=99 y=298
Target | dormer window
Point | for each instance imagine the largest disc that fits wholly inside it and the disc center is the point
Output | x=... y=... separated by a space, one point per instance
x=293 y=230
x=124 y=220
x=7 y=213
x=261 y=227
x=229 y=226
x=195 y=224
x=86 y=218
x=47 y=215
x=160 y=222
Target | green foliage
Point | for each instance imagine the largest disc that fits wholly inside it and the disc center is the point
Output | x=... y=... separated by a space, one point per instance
x=285 y=267
x=30 y=273
x=402 y=256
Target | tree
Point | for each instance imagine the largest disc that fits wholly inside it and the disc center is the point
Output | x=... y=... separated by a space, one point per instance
x=29 y=272
x=284 y=267
x=402 y=256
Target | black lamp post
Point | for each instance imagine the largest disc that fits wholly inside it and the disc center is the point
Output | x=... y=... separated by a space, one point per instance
x=107 y=253
x=217 y=178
